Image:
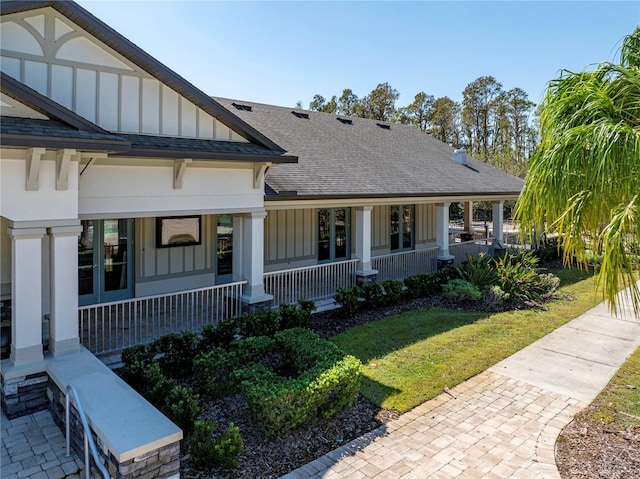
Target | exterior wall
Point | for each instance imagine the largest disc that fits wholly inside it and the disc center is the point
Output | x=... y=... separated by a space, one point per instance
x=380 y=230
x=133 y=190
x=52 y=55
x=5 y=259
x=290 y=239
x=162 y=270
x=425 y=226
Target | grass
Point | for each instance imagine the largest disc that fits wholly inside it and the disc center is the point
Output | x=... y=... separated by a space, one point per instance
x=619 y=402
x=409 y=358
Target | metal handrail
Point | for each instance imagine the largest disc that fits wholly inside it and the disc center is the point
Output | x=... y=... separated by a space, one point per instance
x=88 y=438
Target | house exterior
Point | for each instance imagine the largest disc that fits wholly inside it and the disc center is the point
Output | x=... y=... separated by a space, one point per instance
x=127 y=194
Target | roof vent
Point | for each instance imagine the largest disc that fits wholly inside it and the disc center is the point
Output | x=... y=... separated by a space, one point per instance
x=346 y=121
x=460 y=156
x=301 y=115
x=241 y=107
x=384 y=126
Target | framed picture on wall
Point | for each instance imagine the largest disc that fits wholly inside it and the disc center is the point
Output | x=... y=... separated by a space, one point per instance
x=174 y=231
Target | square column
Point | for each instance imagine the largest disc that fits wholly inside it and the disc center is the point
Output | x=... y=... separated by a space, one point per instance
x=442 y=233
x=63 y=254
x=468 y=216
x=26 y=295
x=254 y=296
x=363 y=244
x=498 y=223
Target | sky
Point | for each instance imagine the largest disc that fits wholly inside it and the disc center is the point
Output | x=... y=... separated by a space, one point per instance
x=284 y=52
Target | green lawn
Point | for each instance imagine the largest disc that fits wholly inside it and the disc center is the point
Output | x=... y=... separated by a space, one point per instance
x=409 y=358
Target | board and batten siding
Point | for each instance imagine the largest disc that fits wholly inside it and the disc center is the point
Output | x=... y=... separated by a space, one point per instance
x=49 y=53
x=290 y=238
x=425 y=225
x=160 y=270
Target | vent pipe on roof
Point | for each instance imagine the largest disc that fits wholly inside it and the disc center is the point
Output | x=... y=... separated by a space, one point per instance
x=460 y=156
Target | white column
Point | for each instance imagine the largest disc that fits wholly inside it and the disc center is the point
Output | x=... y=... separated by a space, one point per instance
x=442 y=229
x=253 y=257
x=498 y=221
x=26 y=294
x=363 y=239
x=63 y=319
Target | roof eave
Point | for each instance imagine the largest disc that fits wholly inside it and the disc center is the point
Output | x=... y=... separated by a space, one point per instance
x=295 y=197
x=54 y=142
x=213 y=156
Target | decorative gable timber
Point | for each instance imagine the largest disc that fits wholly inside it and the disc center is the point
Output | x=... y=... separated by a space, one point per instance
x=63 y=52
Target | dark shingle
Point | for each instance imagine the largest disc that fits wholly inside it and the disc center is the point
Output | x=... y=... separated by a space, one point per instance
x=367 y=160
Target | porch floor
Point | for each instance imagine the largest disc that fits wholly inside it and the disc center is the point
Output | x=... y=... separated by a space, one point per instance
x=34 y=447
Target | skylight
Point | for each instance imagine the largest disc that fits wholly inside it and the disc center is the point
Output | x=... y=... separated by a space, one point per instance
x=301 y=115
x=384 y=126
x=242 y=107
x=346 y=121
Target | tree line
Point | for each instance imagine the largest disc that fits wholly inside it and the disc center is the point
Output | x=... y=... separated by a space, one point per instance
x=496 y=126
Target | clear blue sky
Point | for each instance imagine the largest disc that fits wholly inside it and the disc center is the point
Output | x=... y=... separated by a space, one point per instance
x=282 y=52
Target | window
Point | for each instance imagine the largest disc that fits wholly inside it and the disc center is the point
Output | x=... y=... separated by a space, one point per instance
x=333 y=234
x=224 y=253
x=401 y=227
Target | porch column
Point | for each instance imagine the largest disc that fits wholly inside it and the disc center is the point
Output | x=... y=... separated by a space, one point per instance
x=364 y=273
x=442 y=234
x=26 y=294
x=63 y=321
x=254 y=296
x=468 y=216
x=498 y=220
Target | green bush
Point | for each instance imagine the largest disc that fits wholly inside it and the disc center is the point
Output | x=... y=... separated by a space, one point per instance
x=295 y=316
x=348 y=298
x=220 y=335
x=202 y=445
x=177 y=353
x=213 y=372
x=480 y=272
x=142 y=376
x=181 y=406
x=461 y=290
x=259 y=323
x=372 y=295
x=328 y=381
x=141 y=353
x=393 y=292
x=227 y=447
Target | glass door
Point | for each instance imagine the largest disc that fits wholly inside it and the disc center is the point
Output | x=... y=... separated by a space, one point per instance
x=224 y=249
x=104 y=261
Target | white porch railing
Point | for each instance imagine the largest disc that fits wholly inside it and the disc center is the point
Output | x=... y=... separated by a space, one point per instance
x=405 y=264
x=313 y=282
x=462 y=251
x=114 y=326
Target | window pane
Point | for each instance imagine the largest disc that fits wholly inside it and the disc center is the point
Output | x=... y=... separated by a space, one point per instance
x=225 y=244
x=395 y=227
x=85 y=258
x=341 y=233
x=115 y=254
x=406 y=228
x=324 y=235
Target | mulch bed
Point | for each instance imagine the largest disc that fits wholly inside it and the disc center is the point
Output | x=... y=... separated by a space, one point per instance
x=588 y=449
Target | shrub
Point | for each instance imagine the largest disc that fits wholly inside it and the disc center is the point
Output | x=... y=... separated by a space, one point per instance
x=392 y=292
x=141 y=353
x=177 y=353
x=372 y=295
x=259 y=323
x=212 y=372
x=142 y=376
x=227 y=447
x=292 y=316
x=493 y=297
x=202 y=445
x=348 y=298
x=461 y=290
x=220 y=335
x=181 y=406
x=328 y=381
x=480 y=272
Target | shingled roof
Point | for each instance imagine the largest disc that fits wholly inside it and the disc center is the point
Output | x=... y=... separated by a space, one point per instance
x=365 y=158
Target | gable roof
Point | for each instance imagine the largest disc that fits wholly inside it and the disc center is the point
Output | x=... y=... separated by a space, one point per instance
x=66 y=129
x=129 y=50
x=365 y=158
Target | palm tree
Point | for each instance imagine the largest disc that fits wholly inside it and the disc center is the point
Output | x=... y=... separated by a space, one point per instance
x=584 y=179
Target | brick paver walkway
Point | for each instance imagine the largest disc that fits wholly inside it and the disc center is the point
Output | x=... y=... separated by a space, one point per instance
x=34 y=447
x=495 y=428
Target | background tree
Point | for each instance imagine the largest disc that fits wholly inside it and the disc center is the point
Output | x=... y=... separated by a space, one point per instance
x=379 y=104
x=347 y=103
x=584 y=179
x=419 y=113
x=479 y=101
x=443 y=120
